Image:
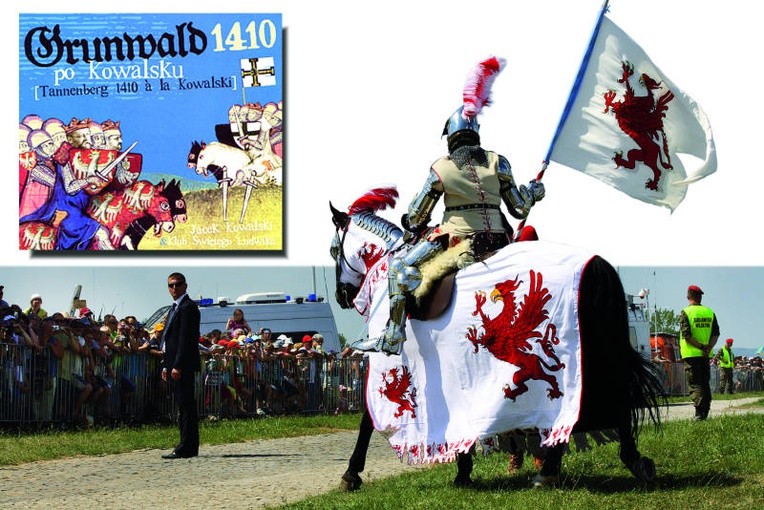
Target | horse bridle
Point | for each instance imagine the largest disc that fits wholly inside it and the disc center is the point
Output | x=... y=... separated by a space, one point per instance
x=344 y=293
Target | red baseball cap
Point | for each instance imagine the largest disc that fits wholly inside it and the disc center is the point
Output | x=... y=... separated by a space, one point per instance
x=695 y=288
x=729 y=341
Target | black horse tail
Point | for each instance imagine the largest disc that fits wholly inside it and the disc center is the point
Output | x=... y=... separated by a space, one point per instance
x=646 y=392
x=621 y=387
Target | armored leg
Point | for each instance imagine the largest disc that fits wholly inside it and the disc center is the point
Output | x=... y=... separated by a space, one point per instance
x=402 y=278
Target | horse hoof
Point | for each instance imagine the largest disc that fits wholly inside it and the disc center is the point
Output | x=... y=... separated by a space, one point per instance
x=515 y=463
x=350 y=482
x=462 y=481
x=643 y=470
x=546 y=481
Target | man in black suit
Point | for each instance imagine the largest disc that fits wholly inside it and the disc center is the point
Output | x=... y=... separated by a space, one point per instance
x=180 y=344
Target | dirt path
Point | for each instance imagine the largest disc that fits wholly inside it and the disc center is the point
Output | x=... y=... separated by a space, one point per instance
x=255 y=474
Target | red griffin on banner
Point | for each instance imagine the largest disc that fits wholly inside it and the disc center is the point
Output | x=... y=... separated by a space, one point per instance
x=399 y=390
x=641 y=117
x=507 y=336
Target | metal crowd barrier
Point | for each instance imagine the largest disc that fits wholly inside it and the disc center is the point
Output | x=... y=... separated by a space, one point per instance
x=36 y=388
x=675 y=382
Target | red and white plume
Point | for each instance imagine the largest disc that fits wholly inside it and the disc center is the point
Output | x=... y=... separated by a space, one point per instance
x=477 y=90
x=375 y=200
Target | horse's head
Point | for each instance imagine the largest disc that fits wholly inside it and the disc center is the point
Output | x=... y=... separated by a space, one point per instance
x=193 y=154
x=361 y=239
x=175 y=198
x=158 y=207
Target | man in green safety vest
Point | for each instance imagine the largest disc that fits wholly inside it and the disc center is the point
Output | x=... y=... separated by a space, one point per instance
x=698 y=332
x=726 y=364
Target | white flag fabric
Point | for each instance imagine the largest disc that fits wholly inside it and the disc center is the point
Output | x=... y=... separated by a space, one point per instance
x=628 y=123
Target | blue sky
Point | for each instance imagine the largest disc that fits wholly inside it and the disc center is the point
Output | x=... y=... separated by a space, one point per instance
x=732 y=292
x=729 y=291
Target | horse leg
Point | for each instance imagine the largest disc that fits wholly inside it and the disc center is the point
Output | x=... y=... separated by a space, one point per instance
x=643 y=468
x=549 y=474
x=464 y=469
x=351 y=480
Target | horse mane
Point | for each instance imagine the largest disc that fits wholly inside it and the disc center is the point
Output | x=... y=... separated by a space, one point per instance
x=374 y=200
x=363 y=214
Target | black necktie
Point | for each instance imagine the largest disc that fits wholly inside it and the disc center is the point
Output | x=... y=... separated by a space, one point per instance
x=171 y=314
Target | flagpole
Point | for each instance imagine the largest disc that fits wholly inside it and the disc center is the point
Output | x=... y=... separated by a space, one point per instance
x=571 y=98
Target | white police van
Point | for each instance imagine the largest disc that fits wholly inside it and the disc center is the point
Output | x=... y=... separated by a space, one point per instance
x=639 y=328
x=294 y=317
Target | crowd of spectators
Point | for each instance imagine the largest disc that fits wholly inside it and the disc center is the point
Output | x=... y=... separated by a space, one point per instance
x=76 y=368
x=748 y=373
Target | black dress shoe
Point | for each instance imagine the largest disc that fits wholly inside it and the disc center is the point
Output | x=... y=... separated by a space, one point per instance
x=176 y=455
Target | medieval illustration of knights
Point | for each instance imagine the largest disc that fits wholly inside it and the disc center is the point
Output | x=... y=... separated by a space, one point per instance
x=473 y=183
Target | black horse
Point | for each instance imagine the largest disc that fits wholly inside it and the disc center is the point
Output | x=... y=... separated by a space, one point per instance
x=621 y=389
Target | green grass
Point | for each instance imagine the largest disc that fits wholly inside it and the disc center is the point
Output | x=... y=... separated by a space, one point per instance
x=714 y=464
x=718 y=463
x=17 y=448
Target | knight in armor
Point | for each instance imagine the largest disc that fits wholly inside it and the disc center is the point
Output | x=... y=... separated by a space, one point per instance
x=473 y=183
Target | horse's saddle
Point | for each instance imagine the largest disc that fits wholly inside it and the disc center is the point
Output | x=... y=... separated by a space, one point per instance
x=435 y=302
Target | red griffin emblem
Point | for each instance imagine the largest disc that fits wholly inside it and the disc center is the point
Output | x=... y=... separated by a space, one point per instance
x=641 y=117
x=508 y=336
x=371 y=253
x=398 y=390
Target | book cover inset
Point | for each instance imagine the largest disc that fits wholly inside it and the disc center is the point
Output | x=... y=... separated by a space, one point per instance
x=159 y=132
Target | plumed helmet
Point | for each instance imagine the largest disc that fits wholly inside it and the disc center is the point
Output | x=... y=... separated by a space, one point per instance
x=458 y=121
x=476 y=95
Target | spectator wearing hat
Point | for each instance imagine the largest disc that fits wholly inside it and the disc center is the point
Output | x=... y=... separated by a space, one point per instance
x=86 y=314
x=35 y=307
x=312 y=368
x=698 y=332
x=318 y=344
x=726 y=363
x=157 y=388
